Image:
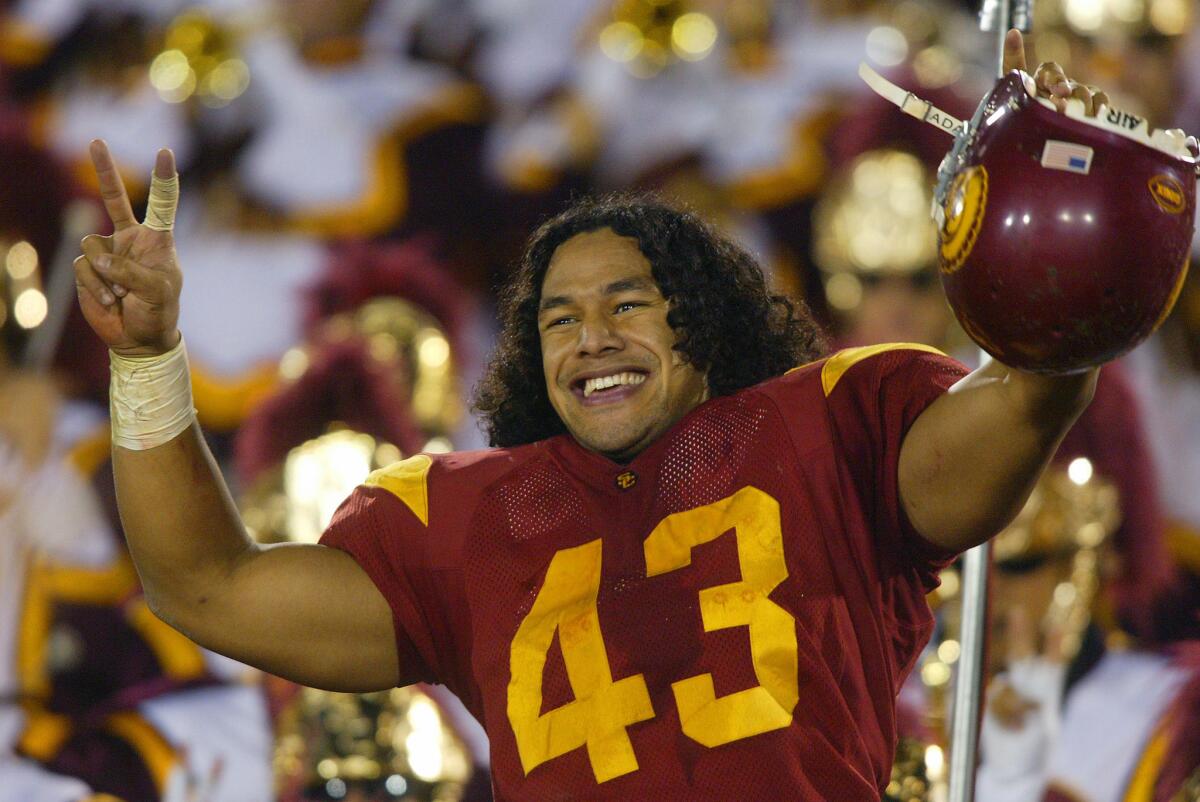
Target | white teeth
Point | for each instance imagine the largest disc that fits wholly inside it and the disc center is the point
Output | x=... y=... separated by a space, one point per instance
x=604 y=382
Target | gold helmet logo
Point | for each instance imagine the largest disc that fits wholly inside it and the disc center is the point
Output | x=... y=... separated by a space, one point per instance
x=965 y=206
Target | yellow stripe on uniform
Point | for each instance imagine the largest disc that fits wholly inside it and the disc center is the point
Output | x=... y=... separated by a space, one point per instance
x=22 y=45
x=1183 y=544
x=89 y=585
x=90 y=453
x=179 y=657
x=155 y=751
x=837 y=365
x=1145 y=776
x=223 y=402
x=47 y=583
x=384 y=201
x=44 y=733
x=33 y=634
x=797 y=175
x=407 y=480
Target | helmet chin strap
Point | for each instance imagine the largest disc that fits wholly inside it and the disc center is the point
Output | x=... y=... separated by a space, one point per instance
x=926 y=112
x=909 y=103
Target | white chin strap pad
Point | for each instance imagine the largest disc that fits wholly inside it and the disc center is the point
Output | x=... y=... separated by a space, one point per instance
x=909 y=103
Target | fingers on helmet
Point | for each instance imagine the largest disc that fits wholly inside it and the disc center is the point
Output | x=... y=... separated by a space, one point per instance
x=1052 y=79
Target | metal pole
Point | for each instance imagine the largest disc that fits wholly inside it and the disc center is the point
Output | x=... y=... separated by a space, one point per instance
x=79 y=219
x=964 y=730
x=997 y=16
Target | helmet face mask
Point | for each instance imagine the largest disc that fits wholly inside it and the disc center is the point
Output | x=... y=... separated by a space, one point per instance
x=1063 y=240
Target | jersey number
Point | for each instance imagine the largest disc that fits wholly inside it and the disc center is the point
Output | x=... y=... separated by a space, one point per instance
x=604 y=709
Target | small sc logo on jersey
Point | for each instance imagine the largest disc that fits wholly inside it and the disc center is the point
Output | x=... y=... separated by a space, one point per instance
x=626 y=479
x=1168 y=194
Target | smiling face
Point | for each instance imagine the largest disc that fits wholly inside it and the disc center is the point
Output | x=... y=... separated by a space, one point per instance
x=612 y=373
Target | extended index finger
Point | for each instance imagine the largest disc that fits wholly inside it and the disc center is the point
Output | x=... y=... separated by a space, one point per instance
x=112 y=188
x=1014 y=52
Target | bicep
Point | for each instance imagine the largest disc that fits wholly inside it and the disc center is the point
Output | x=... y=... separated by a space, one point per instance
x=970 y=460
x=304 y=612
x=955 y=463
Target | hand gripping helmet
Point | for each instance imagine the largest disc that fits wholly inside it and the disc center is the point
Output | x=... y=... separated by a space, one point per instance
x=1063 y=240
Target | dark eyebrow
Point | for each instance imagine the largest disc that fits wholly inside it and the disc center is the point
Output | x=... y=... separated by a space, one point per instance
x=625 y=284
x=553 y=301
x=621 y=285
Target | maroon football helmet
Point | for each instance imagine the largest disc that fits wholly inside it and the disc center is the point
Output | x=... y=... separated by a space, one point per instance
x=1063 y=239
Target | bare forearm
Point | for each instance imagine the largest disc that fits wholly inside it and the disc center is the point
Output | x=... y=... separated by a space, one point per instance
x=182 y=527
x=304 y=612
x=970 y=461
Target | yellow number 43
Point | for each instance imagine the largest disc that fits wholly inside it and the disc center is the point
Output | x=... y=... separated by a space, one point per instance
x=602 y=711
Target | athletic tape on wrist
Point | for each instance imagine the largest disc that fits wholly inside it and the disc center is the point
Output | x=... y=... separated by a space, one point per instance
x=150 y=398
x=160 y=206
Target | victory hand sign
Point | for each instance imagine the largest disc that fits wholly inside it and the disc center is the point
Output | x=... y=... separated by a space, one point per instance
x=202 y=573
x=129 y=283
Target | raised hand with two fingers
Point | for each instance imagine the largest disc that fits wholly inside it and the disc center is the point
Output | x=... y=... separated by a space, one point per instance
x=129 y=283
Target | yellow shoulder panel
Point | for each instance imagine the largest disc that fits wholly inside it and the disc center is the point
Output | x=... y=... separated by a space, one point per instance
x=837 y=365
x=407 y=481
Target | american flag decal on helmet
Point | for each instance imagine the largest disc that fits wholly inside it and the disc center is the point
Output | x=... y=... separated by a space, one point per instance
x=1058 y=155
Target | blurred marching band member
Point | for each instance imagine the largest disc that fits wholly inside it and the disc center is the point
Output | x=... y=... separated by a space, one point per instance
x=880 y=294
x=876 y=248
x=46 y=511
x=374 y=382
x=109 y=695
x=80 y=65
x=97 y=694
x=400 y=292
x=262 y=88
x=382 y=123
x=718 y=105
x=1163 y=38
x=654 y=85
x=320 y=85
x=1167 y=371
x=1073 y=715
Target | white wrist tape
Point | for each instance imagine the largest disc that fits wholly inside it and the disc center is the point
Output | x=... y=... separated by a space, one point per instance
x=150 y=398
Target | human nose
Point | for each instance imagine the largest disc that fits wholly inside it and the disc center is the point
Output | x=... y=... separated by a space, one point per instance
x=598 y=334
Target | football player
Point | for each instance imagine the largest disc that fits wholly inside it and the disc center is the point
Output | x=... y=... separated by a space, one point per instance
x=688 y=570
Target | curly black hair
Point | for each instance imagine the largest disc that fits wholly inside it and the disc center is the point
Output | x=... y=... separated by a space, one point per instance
x=729 y=324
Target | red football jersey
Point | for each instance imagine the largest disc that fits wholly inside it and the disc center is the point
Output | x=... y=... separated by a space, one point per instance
x=728 y=616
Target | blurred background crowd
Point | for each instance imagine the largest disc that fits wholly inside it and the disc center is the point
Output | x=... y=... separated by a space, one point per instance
x=357 y=178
